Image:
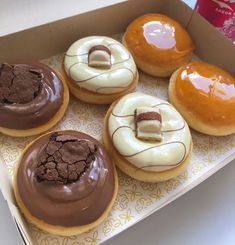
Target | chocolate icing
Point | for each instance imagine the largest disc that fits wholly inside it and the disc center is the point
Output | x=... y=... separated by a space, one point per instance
x=100 y=47
x=30 y=94
x=66 y=204
x=148 y=116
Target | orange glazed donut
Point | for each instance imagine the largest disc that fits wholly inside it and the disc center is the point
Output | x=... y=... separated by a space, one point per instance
x=205 y=95
x=158 y=44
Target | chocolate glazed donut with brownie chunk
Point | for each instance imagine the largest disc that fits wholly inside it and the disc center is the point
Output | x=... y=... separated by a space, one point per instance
x=65 y=182
x=33 y=98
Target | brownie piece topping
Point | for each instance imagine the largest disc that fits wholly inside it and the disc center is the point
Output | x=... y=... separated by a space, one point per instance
x=19 y=84
x=65 y=159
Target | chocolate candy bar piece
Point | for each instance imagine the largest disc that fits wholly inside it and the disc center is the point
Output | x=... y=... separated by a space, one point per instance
x=99 y=56
x=148 y=123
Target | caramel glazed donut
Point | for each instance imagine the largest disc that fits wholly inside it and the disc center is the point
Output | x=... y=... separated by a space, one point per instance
x=33 y=98
x=65 y=182
x=158 y=44
x=205 y=95
x=147 y=137
x=99 y=70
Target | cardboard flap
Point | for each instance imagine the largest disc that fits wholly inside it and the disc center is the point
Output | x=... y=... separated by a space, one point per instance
x=177 y=10
x=26 y=17
x=5 y=182
x=55 y=37
x=21 y=225
x=217 y=49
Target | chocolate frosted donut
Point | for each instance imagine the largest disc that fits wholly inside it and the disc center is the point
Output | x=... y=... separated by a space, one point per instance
x=32 y=98
x=65 y=182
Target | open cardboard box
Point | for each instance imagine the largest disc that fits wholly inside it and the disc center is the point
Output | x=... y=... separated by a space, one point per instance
x=55 y=37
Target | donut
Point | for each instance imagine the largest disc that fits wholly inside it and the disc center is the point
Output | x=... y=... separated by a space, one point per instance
x=33 y=98
x=65 y=182
x=147 y=138
x=99 y=70
x=205 y=95
x=158 y=44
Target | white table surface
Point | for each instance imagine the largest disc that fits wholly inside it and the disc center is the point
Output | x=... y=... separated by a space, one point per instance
x=210 y=206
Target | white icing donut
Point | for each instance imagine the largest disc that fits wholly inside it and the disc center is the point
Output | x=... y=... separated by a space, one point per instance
x=100 y=80
x=146 y=155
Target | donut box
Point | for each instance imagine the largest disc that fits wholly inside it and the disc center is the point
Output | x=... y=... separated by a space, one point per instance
x=136 y=200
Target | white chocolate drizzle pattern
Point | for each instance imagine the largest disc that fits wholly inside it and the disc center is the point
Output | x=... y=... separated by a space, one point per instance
x=149 y=156
x=100 y=80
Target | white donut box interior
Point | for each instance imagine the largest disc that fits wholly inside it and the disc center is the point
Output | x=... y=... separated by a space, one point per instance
x=135 y=200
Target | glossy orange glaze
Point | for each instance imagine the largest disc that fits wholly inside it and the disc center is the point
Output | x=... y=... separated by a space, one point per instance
x=158 y=39
x=208 y=92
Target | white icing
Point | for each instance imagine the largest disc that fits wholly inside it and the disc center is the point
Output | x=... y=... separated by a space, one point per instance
x=101 y=80
x=149 y=156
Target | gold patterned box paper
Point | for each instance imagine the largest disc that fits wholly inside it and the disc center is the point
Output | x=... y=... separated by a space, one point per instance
x=136 y=200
